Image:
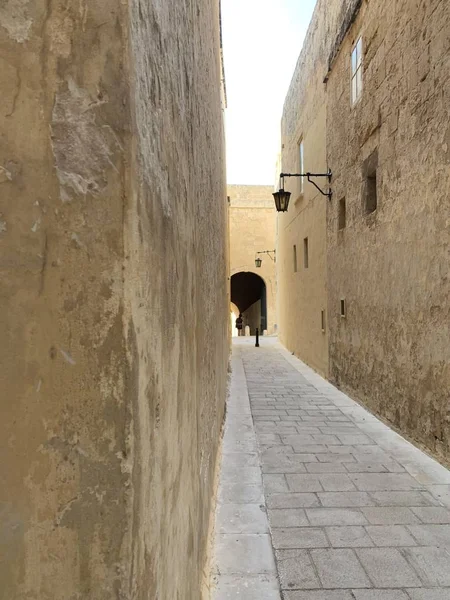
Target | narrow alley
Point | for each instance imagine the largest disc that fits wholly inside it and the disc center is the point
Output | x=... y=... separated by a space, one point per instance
x=318 y=499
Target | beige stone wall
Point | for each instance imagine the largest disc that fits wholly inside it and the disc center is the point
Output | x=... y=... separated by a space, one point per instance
x=302 y=293
x=114 y=308
x=391 y=351
x=252 y=219
x=392 y=266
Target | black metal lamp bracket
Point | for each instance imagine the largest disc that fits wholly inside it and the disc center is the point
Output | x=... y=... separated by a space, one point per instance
x=308 y=176
x=269 y=252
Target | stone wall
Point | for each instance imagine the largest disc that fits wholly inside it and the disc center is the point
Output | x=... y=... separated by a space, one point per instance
x=391 y=349
x=302 y=291
x=252 y=224
x=114 y=303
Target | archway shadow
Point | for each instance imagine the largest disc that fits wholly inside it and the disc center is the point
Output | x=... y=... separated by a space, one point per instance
x=248 y=293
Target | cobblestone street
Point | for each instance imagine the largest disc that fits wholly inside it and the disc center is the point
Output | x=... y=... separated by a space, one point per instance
x=318 y=499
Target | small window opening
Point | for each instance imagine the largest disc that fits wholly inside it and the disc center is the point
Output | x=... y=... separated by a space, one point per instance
x=295 y=259
x=343 y=308
x=370 y=183
x=305 y=253
x=342 y=214
x=323 y=320
x=371 y=193
x=357 y=68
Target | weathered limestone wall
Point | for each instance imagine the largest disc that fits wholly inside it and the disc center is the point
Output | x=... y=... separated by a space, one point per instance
x=392 y=266
x=113 y=308
x=252 y=224
x=303 y=293
x=391 y=350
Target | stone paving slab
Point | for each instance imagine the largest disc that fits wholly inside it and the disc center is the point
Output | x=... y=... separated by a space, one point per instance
x=244 y=564
x=354 y=511
x=256 y=587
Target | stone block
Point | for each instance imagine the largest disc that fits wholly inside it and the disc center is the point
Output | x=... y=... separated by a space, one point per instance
x=299 y=537
x=354 y=439
x=287 y=517
x=339 y=568
x=241 y=518
x=269 y=438
x=345 y=499
x=305 y=458
x=335 y=516
x=244 y=459
x=244 y=554
x=387 y=568
x=384 y=481
x=241 y=493
x=336 y=457
x=348 y=537
x=254 y=587
x=296 y=570
x=292 y=500
x=366 y=467
x=429 y=594
x=336 y=483
x=329 y=440
x=379 y=595
x=230 y=474
x=432 y=565
x=304 y=483
x=431 y=535
x=323 y=467
x=432 y=514
x=402 y=498
x=389 y=515
x=319 y=595
x=392 y=535
x=274 y=483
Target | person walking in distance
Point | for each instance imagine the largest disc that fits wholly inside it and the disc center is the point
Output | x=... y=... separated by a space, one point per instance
x=239 y=323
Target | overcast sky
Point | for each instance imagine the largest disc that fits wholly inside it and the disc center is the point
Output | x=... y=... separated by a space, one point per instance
x=262 y=40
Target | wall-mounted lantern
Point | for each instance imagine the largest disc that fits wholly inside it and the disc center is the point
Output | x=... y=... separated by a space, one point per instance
x=258 y=261
x=282 y=197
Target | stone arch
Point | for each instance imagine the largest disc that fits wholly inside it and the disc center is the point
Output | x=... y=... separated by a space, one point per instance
x=249 y=294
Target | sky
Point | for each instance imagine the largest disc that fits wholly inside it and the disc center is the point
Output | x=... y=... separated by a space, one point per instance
x=262 y=40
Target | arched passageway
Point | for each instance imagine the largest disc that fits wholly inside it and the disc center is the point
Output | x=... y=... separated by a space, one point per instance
x=234 y=313
x=248 y=293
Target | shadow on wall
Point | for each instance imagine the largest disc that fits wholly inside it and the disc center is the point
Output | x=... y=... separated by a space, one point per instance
x=248 y=294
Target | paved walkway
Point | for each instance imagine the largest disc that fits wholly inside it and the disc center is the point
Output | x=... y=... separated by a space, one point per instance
x=355 y=511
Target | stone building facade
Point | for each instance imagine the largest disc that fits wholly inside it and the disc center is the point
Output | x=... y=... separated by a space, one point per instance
x=302 y=265
x=252 y=225
x=386 y=89
x=114 y=298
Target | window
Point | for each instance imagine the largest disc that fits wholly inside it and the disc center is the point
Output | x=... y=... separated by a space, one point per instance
x=323 y=320
x=370 y=200
x=343 y=308
x=357 y=71
x=305 y=253
x=342 y=214
x=371 y=193
x=295 y=259
x=301 y=165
